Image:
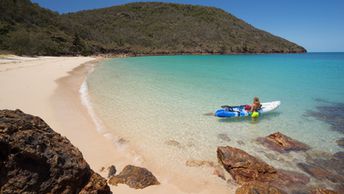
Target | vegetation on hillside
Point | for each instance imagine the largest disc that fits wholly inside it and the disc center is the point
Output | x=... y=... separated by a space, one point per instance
x=137 y=28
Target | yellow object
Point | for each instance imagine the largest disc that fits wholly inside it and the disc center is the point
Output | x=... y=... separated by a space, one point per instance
x=255 y=115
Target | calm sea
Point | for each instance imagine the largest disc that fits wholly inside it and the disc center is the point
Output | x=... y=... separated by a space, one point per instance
x=163 y=105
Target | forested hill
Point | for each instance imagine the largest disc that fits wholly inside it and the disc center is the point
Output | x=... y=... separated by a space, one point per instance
x=136 y=28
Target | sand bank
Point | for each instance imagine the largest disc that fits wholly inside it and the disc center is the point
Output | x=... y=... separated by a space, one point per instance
x=49 y=87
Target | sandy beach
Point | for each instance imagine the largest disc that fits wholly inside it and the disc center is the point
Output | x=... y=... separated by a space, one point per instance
x=49 y=87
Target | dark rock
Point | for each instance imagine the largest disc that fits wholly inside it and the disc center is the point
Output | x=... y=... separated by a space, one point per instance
x=331 y=113
x=112 y=171
x=134 y=177
x=340 y=142
x=244 y=167
x=223 y=137
x=96 y=185
x=258 y=188
x=35 y=159
x=282 y=143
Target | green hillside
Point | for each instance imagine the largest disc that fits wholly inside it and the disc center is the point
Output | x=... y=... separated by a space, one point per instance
x=137 y=28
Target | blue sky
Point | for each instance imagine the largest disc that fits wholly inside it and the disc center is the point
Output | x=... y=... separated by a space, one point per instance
x=318 y=25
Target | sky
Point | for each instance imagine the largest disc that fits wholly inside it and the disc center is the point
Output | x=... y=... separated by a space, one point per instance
x=317 y=25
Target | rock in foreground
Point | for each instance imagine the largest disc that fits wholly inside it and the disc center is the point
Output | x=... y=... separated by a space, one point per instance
x=282 y=143
x=244 y=167
x=35 y=159
x=256 y=175
x=134 y=177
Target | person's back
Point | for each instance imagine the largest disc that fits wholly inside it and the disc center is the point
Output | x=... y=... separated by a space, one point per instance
x=256 y=105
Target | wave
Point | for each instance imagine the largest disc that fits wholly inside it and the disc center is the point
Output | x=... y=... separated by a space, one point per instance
x=85 y=100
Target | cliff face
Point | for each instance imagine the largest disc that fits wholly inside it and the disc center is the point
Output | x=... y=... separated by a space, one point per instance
x=135 y=28
x=35 y=159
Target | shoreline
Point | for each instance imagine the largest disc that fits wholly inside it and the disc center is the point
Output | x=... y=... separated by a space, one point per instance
x=50 y=88
x=125 y=152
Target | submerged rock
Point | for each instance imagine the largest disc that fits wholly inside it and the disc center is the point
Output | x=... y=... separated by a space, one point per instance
x=340 y=142
x=326 y=168
x=174 y=143
x=134 y=177
x=240 y=142
x=329 y=112
x=244 y=167
x=282 y=143
x=35 y=159
x=197 y=163
x=223 y=137
x=290 y=180
x=331 y=169
x=258 y=188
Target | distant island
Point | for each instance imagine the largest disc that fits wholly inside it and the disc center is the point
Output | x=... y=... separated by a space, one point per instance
x=135 y=28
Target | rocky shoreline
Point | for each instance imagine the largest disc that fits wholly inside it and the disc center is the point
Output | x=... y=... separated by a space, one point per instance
x=34 y=158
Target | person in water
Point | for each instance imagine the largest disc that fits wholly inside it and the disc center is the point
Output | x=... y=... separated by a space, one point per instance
x=255 y=105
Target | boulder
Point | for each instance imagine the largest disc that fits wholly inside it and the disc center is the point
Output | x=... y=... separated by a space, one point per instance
x=282 y=143
x=134 y=177
x=258 y=188
x=244 y=167
x=35 y=159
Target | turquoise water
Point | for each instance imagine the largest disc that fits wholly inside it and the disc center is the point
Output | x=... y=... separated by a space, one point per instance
x=161 y=104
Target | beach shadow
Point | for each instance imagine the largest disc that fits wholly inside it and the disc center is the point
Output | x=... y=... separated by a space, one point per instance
x=267 y=116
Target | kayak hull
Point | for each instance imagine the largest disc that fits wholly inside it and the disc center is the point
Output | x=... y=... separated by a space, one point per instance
x=239 y=111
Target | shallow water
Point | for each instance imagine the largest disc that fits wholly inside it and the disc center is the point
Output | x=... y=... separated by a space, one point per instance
x=155 y=100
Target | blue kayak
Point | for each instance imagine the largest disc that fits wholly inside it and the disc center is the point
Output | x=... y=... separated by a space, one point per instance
x=239 y=111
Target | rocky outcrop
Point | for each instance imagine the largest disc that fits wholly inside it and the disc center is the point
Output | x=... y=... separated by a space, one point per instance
x=282 y=143
x=244 y=167
x=35 y=159
x=134 y=177
x=258 y=188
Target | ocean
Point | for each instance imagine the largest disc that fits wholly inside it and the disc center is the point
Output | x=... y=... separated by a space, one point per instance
x=163 y=105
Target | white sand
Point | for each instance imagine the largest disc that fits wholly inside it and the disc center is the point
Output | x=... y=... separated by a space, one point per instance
x=49 y=88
